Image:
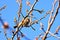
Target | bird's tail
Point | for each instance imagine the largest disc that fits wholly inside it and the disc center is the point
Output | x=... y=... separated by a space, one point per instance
x=15 y=26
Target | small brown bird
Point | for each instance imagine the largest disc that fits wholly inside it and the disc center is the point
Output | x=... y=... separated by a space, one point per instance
x=24 y=23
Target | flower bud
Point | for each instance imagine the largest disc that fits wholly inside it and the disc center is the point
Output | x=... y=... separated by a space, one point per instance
x=28 y=3
x=5 y=25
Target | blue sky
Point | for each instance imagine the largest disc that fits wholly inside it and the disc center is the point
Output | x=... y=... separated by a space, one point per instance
x=10 y=12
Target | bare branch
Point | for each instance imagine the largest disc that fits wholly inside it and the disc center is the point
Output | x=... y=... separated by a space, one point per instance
x=54 y=35
x=2 y=7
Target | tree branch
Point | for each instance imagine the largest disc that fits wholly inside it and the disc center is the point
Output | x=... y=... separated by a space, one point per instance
x=50 y=24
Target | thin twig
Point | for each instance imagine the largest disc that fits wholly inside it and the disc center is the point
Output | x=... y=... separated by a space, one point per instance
x=5 y=34
x=54 y=35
